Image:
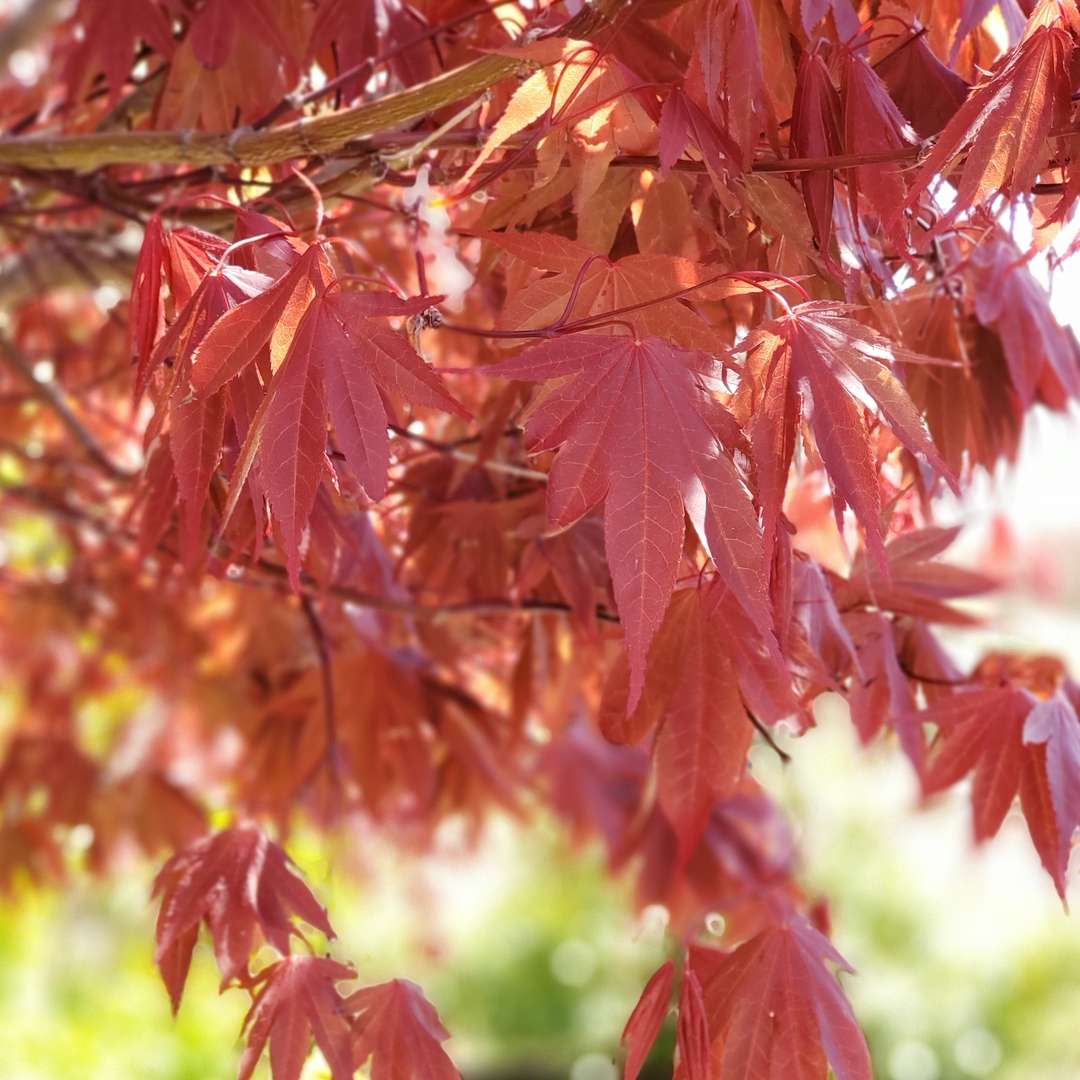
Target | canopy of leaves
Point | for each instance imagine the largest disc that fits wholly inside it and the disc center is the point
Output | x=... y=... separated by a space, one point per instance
x=445 y=409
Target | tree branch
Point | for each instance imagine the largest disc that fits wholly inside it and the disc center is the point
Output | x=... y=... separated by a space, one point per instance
x=53 y=396
x=306 y=137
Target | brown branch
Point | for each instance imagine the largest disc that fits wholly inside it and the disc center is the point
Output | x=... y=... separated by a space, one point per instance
x=766 y=735
x=306 y=137
x=508 y=468
x=272 y=575
x=331 y=756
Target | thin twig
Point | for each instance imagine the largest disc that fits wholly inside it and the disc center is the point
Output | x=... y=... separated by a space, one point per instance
x=506 y=467
x=763 y=731
x=331 y=756
x=306 y=137
x=52 y=395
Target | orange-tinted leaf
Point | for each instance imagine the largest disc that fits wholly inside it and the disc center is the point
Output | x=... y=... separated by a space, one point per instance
x=1003 y=126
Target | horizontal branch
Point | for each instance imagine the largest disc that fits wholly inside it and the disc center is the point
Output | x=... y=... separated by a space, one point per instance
x=305 y=137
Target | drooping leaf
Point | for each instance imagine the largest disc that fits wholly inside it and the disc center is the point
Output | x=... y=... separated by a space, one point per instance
x=815 y=133
x=1012 y=744
x=692 y=699
x=237 y=882
x=692 y=1032
x=296 y=1001
x=1003 y=126
x=645 y=1021
x=398 y=1029
x=773 y=1007
x=927 y=92
x=872 y=124
x=818 y=351
x=632 y=428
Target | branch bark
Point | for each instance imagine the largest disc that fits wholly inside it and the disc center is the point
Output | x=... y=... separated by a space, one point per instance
x=306 y=137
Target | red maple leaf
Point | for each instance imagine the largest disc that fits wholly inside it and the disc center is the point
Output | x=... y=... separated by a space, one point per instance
x=1003 y=126
x=927 y=92
x=694 y=701
x=815 y=132
x=333 y=358
x=399 y=1029
x=819 y=351
x=297 y=1001
x=1012 y=744
x=916 y=583
x=872 y=124
x=111 y=32
x=773 y=1008
x=1043 y=356
x=692 y=1031
x=636 y=428
x=580 y=283
x=238 y=882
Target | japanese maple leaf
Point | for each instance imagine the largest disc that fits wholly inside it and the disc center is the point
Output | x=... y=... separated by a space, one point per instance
x=693 y=700
x=815 y=132
x=590 y=95
x=339 y=351
x=358 y=35
x=235 y=339
x=337 y=360
x=817 y=350
x=581 y=283
x=872 y=124
x=111 y=32
x=635 y=428
x=1003 y=126
x=692 y=1031
x=647 y=1018
x=237 y=881
x=196 y=425
x=144 y=309
x=727 y=59
x=400 y=1031
x=683 y=125
x=916 y=584
x=1013 y=744
x=297 y=1001
x=880 y=692
x=1052 y=727
x=813 y=11
x=927 y=92
x=1043 y=356
x=214 y=29
x=775 y=1010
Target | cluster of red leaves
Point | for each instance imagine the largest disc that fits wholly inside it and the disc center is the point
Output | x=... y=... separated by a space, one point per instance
x=574 y=534
x=242 y=886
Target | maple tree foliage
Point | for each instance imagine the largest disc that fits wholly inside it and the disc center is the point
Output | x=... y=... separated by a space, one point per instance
x=516 y=406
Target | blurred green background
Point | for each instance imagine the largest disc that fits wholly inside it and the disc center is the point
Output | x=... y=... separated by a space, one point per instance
x=968 y=965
